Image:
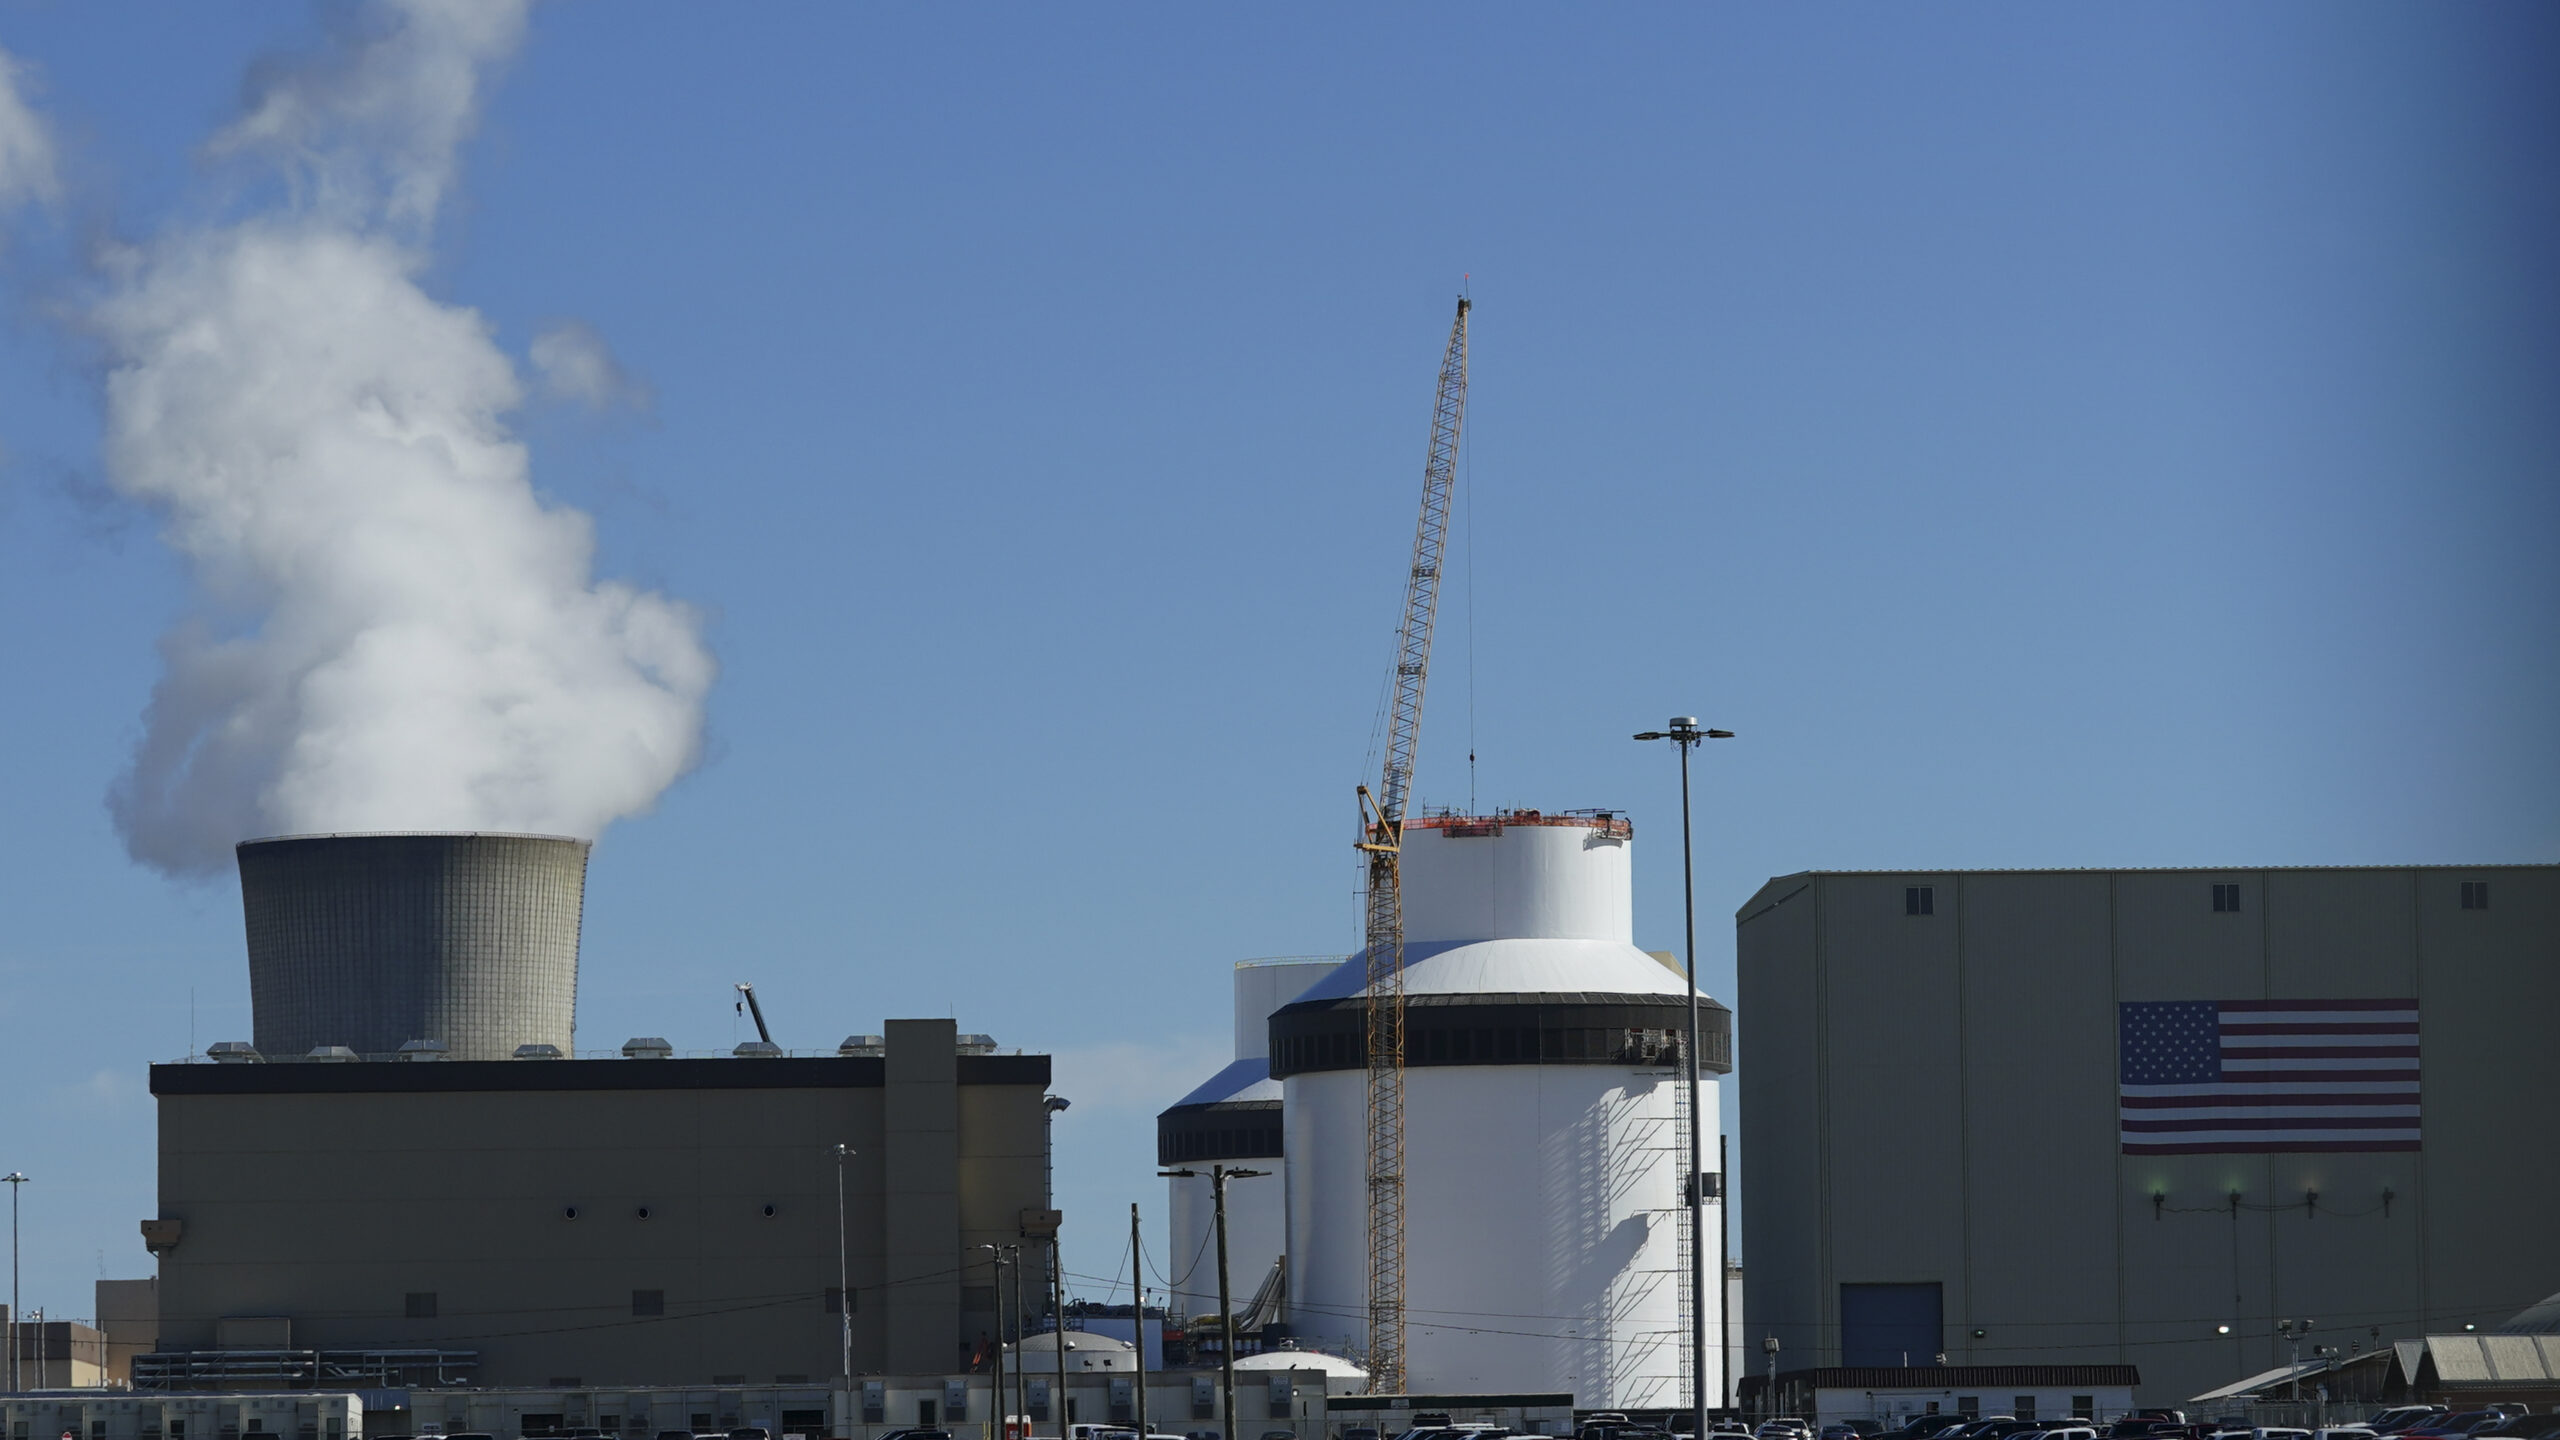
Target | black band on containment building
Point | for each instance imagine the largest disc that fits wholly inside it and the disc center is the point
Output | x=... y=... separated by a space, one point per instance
x=1226 y=1130
x=1561 y=1028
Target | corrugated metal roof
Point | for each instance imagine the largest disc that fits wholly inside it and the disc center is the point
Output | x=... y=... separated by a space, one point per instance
x=2495 y=1359
x=2278 y=1376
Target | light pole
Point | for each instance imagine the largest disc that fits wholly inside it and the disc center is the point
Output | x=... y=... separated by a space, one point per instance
x=1685 y=735
x=15 y=1178
x=1219 y=1175
x=844 y=1282
x=1769 y=1402
x=2293 y=1331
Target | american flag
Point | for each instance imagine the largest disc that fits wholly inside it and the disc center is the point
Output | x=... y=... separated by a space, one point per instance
x=2207 y=1077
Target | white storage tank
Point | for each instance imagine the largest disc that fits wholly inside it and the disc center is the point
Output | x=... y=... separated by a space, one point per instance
x=1233 y=1118
x=1544 y=1134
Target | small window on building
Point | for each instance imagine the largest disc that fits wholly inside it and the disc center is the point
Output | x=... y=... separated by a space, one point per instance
x=2023 y=1407
x=1969 y=1405
x=648 y=1302
x=422 y=1304
x=2084 y=1407
x=1920 y=900
x=2475 y=894
x=2226 y=901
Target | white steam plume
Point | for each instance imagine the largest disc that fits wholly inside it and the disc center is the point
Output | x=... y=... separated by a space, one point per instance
x=26 y=145
x=392 y=632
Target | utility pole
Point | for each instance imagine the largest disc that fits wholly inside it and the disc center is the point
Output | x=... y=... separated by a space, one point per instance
x=1686 y=736
x=844 y=1284
x=1021 y=1360
x=15 y=1178
x=995 y=1264
x=1058 y=1309
x=1219 y=1175
x=1138 y=1307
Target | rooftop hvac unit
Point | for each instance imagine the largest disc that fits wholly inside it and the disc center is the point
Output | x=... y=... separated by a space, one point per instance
x=863 y=1045
x=537 y=1052
x=757 y=1050
x=647 y=1047
x=977 y=1044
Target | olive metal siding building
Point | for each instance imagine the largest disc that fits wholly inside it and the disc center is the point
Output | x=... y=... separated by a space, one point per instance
x=2142 y=1117
x=589 y=1222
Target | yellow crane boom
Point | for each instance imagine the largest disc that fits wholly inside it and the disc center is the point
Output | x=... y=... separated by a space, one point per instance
x=1382 y=838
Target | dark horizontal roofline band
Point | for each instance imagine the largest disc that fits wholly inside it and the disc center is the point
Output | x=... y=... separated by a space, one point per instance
x=1224 y=1130
x=1638 y=1031
x=815 y=1072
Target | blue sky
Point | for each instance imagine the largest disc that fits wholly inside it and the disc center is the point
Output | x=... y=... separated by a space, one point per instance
x=2049 y=435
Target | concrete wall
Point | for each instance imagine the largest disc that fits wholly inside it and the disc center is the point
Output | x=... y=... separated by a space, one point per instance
x=331 y=1209
x=371 y=941
x=1934 y=1099
x=129 y=1316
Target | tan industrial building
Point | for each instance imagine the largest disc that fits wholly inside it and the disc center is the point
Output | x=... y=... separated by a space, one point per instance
x=551 y=1222
x=2156 y=1118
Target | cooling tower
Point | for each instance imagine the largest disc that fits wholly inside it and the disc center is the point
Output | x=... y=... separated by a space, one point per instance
x=371 y=941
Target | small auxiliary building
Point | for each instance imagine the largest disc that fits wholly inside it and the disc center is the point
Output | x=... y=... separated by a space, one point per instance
x=1545 y=1241
x=1233 y=1118
x=412 y=1179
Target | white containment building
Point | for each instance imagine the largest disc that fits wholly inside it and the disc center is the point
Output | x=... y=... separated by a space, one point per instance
x=1545 y=1238
x=1233 y=1118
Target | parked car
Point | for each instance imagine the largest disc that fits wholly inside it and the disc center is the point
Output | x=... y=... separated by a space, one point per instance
x=2460 y=1422
x=2400 y=1417
x=2343 y=1432
x=2524 y=1427
x=1783 y=1426
x=743 y=1432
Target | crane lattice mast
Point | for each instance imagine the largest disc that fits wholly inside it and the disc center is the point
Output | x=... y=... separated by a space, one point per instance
x=1382 y=836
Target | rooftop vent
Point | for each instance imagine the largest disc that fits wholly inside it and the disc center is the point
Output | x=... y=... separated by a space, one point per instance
x=647 y=1047
x=537 y=1051
x=416 y=1050
x=234 y=1052
x=977 y=1044
x=874 y=1045
x=336 y=1054
x=757 y=1050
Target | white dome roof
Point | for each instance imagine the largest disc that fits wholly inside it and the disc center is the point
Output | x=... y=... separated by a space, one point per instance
x=1240 y=1080
x=1300 y=1360
x=1512 y=967
x=1085 y=1351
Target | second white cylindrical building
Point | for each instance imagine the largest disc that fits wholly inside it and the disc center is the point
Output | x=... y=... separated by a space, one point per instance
x=1232 y=1118
x=1544 y=1129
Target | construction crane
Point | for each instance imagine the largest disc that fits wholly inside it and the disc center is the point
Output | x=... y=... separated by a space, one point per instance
x=747 y=1000
x=1382 y=838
